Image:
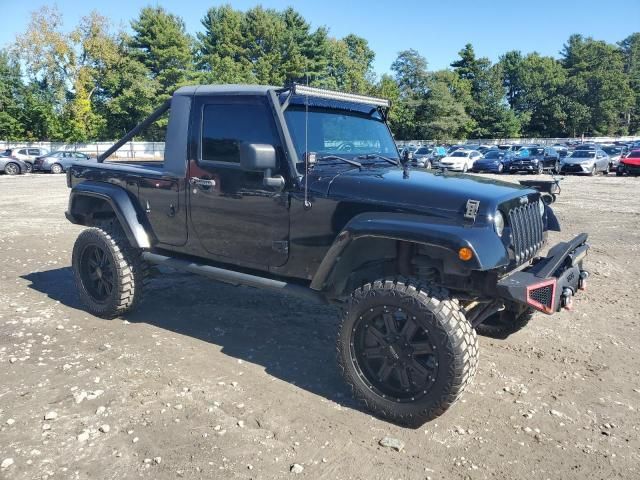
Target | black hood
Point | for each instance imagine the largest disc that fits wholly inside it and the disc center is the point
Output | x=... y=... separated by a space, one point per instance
x=414 y=190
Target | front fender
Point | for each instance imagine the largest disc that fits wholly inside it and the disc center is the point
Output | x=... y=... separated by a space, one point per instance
x=120 y=203
x=488 y=250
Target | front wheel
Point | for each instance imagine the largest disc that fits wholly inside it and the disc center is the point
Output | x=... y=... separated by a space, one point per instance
x=29 y=168
x=11 y=169
x=408 y=353
x=540 y=169
x=556 y=168
x=465 y=168
x=109 y=273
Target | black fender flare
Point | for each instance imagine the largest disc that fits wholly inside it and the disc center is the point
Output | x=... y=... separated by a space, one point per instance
x=122 y=205
x=488 y=250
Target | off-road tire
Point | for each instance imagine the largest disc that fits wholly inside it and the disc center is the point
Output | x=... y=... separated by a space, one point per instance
x=56 y=168
x=502 y=324
x=129 y=271
x=454 y=340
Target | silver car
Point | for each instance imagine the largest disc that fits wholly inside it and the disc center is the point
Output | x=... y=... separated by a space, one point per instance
x=586 y=161
x=59 y=161
x=11 y=165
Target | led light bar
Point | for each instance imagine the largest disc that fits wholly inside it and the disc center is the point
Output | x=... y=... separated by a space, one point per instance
x=334 y=95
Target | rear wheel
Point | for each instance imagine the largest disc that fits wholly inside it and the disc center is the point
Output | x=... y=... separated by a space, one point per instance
x=12 y=169
x=109 y=273
x=56 y=168
x=407 y=353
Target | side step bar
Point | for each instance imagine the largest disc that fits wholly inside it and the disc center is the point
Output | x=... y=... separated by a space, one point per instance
x=235 y=278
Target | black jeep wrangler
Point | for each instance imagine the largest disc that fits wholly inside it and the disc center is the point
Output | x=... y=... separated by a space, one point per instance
x=301 y=190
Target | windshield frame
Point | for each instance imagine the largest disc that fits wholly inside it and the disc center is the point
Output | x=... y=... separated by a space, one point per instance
x=394 y=153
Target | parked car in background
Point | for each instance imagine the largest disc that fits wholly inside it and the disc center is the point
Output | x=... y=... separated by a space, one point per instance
x=460 y=160
x=408 y=151
x=11 y=165
x=535 y=159
x=562 y=150
x=27 y=154
x=630 y=165
x=589 y=162
x=423 y=157
x=615 y=153
x=493 y=161
x=59 y=161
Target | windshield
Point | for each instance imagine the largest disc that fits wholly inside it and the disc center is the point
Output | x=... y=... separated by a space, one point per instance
x=423 y=151
x=583 y=154
x=333 y=132
x=528 y=152
x=494 y=154
x=458 y=153
x=612 y=150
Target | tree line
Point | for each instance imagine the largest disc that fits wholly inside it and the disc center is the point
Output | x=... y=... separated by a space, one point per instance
x=96 y=83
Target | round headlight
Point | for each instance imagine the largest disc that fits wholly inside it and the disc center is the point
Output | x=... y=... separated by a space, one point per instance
x=498 y=222
x=541 y=207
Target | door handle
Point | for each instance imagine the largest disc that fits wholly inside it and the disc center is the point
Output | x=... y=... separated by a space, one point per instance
x=202 y=182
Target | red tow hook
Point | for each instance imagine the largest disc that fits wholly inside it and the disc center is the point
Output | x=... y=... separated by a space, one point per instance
x=567 y=298
x=582 y=282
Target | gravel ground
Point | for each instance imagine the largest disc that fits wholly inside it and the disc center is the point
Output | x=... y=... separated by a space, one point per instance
x=209 y=381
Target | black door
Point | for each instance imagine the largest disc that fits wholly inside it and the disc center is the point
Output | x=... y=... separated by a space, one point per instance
x=233 y=215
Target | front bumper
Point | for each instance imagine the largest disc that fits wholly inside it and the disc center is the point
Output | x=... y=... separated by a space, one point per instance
x=522 y=166
x=550 y=283
x=628 y=169
x=576 y=167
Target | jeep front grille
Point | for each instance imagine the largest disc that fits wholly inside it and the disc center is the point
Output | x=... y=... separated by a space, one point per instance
x=526 y=231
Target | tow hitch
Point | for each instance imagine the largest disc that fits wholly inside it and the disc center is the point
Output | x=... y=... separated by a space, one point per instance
x=582 y=283
x=567 y=298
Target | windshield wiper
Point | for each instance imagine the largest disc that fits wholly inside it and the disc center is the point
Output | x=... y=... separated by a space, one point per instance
x=368 y=156
x=342 y=159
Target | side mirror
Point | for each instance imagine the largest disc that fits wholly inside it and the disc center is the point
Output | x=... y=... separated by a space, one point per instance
x=257 y=157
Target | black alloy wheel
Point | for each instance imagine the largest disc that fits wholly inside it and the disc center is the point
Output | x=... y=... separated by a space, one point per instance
x=96 y=272
x=394 y=354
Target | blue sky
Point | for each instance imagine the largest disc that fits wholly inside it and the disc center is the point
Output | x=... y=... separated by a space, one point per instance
x=437 y=29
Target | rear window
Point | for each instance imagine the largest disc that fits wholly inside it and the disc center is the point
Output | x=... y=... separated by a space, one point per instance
x=458 y=153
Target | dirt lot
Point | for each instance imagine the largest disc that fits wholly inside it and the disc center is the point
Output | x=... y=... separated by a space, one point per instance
x=244 y=383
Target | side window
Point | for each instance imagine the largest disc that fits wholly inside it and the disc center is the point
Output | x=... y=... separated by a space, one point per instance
x=22 y=151
x=225 y=126
x=79 y=155
x=34 y=151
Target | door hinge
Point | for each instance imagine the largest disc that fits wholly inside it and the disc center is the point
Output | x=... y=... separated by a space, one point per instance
x=281 y=246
